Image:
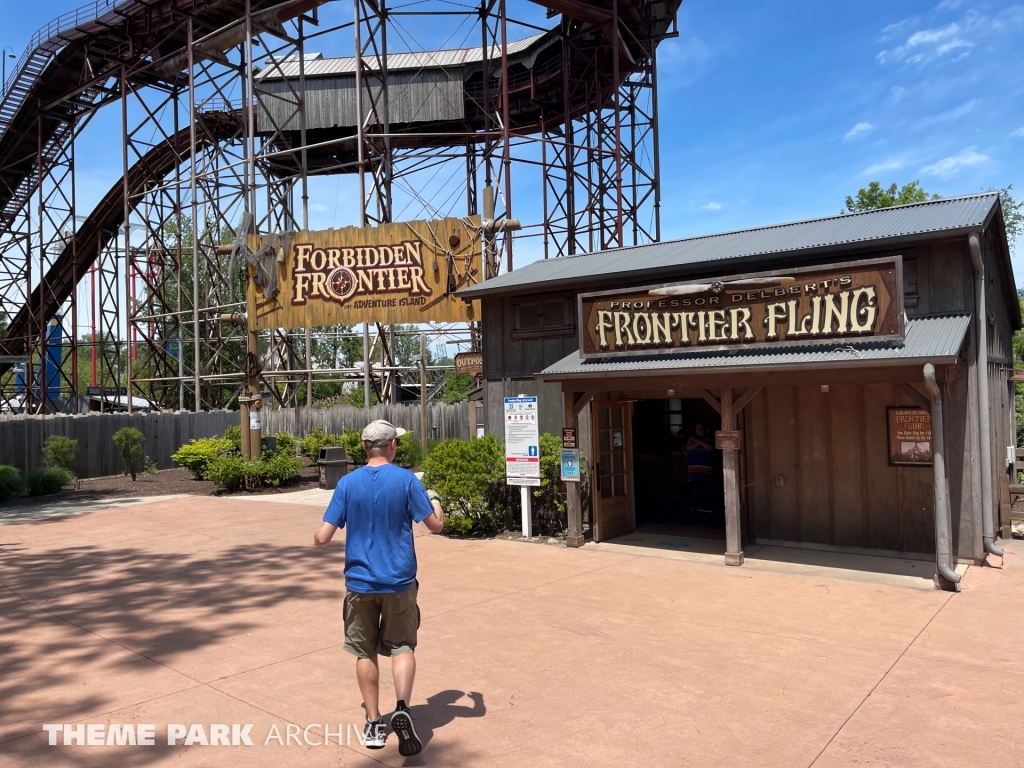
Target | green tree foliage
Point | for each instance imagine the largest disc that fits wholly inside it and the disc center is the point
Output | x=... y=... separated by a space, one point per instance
x=131 y=444
x=311 y=444
x=875 y=196
x=60 y=451
x=1013 y=216
x=456 y=387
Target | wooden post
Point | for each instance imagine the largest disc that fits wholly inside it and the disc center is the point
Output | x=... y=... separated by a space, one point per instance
x=424 y=405
x=573 y=503
x=733 y=548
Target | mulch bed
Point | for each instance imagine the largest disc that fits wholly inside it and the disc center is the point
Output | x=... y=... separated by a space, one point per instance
x=165 y=482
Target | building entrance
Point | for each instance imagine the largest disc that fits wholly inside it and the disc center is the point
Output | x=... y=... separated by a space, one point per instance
x=677 y=471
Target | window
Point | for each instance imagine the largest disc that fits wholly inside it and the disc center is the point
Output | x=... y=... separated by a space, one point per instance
x=548 y=317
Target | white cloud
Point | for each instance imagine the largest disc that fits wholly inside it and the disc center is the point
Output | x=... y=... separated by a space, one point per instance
x=1019 y=132
x=712 y=206
x=896 y=93
x=889 y=164
x=952 y=165
x=948 y=5
x=928 y=44
x=318 y=207
x=857 y=130
x=893 y=31
x=950 y=115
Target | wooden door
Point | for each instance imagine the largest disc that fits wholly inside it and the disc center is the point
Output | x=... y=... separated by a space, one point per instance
x=613 y=482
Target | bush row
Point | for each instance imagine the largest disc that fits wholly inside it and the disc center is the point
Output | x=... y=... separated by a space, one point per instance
x=219 y=459
x=39 y=482
x=469 y=475
x=409 y=454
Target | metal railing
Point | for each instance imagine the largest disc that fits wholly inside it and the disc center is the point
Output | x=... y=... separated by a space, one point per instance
x=47 y=40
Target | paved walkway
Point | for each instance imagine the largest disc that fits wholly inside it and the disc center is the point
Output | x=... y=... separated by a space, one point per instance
x=219 y=611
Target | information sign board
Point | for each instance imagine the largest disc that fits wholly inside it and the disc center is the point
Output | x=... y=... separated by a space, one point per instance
x=522 y=441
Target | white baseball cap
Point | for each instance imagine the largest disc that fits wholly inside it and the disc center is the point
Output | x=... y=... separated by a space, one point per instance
x=381 y=431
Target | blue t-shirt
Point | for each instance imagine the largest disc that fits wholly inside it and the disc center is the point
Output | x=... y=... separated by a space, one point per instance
x=377 y=506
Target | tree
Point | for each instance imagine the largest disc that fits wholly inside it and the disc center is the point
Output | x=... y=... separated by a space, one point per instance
x=131 y=445
x=456 y=387
x=1013 y=216
x=874 y=196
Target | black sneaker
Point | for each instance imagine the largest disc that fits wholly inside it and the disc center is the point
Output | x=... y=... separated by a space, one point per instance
x=408 y=742
x=375 y=733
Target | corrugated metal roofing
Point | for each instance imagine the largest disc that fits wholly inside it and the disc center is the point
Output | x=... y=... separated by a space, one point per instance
x=903 y=221
x=928 y=339
x=453 y=58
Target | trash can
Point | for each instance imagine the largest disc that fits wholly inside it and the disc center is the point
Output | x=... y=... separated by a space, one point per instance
x=332 y=465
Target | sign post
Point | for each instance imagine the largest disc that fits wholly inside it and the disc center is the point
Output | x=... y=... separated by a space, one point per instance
x=522 y=450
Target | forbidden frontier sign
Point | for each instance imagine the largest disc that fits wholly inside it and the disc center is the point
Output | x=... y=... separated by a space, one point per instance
x=407 y=272
x=522 y=441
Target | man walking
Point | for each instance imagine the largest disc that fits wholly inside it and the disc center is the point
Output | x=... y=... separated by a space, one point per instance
x=378 y=503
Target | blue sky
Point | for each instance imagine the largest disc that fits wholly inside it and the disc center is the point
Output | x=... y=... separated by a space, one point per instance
x=770 y=112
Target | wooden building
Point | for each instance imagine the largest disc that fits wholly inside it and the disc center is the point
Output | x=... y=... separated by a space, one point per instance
x=853 y=370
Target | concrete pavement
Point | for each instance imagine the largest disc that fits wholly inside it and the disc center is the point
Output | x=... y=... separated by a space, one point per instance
x=207 y=610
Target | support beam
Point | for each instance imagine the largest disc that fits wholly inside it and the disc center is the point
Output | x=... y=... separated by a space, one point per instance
x=713 y=402
x=743 y=400
x=573 y=404
x=733 y=546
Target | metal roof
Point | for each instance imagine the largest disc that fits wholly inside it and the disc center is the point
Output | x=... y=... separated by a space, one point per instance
x=950 y=215
x=346 y=65
x=928 y=339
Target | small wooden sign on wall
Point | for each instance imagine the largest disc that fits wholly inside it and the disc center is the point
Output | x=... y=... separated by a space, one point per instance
x=910 y=437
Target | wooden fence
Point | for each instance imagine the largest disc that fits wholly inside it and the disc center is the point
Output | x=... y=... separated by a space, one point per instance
x=445 y=421
x=22 y=437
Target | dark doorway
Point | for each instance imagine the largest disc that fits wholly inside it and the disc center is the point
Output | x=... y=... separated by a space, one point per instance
x=672 y=492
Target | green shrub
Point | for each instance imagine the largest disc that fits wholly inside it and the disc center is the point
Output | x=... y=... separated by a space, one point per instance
x=278 y=468
x=317 y=439
x=234 y=434
x=43 y=482
x=60 y=451
x=410 y=451
x=196 y=455
x=352 y=441
x=11 y=484
x=227 y=470
x=149 y=467
x=131 y=443
x=469 y=475
x=286 y=443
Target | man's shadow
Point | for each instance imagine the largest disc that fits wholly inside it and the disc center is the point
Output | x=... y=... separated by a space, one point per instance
x=441 y=709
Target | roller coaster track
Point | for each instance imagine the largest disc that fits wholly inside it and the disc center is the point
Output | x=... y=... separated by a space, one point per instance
x=73 y=66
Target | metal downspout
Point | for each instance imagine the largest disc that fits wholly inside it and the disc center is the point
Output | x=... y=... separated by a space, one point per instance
x=984 y=428
x=942 y=547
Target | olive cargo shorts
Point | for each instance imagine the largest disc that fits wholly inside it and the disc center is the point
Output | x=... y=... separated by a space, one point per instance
x=381 y=623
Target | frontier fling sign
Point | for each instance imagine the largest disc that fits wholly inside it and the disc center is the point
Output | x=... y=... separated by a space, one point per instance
x=394 y=273
x=855 y=300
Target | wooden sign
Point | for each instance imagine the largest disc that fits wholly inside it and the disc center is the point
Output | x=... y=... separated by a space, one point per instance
x=469 y=362
x=728 y=439
x=569 y=437
x=855 y=300
x=394 y=273
x=910 y=436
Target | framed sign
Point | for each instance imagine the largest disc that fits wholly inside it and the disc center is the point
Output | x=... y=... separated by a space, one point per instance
x=406 y=272
x=727 y=439
x=910 y=436
x=854 y=300
x=522 y=441
x=469 y=362
x=569 y=437
x=571 y=465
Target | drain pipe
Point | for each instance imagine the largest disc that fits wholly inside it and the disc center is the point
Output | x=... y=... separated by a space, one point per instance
x=984 y=428
x=942 y=547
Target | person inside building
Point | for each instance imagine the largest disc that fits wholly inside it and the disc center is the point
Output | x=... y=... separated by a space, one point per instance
x=697 y=450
